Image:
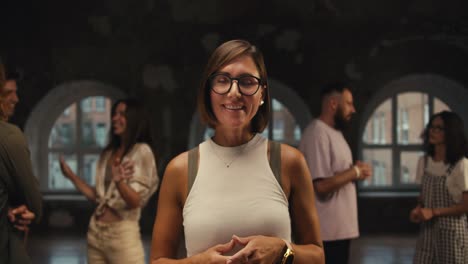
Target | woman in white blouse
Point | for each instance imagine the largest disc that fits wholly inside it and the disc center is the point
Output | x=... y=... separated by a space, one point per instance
x=126 y=177
x=443 y=203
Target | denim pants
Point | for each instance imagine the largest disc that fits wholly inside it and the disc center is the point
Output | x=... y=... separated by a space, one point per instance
x=114 y=243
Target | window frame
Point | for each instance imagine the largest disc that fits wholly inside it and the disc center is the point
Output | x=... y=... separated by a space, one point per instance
x=431 y=84
x=100 y=104
x=43 y=117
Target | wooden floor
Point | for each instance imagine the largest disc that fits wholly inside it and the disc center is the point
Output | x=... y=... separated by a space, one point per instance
x=71 y=249
x=383 y=249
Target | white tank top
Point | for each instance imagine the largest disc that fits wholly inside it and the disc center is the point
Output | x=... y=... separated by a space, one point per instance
x=242 y=199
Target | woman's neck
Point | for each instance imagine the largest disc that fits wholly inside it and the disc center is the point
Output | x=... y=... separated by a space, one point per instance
x=119 y=151
x=439 y=152
x=232 y=138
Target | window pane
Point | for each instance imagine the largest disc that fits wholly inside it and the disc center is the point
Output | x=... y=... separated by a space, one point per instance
x=297 y=133
x=94 y=124
x=86 y=104
x=439 y=106
x=56 y=178
x=63 y=131
x=101 y=134
x=409 y=162
x=410 y=116
x=284 y=124
x=379 y=126
x=89 y=168
x=278 y=130
x=381 y=162
x=101 y=103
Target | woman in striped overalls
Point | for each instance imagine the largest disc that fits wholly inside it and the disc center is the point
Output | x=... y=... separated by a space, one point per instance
x=443 y=204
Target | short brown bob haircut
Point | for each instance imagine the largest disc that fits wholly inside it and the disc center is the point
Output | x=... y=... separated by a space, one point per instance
x=222 y=56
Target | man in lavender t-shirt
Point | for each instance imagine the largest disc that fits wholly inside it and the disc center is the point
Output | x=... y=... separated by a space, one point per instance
x=334 y=173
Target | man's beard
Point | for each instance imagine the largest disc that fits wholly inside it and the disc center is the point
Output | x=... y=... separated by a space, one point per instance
x=5 y=112
x=341 y=123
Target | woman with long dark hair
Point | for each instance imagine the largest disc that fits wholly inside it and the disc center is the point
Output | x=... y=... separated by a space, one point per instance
x=126 y=177
x=443 y=203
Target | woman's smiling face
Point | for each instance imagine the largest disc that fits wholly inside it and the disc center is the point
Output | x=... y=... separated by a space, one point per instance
x=436 y=131
x=234 y=109
x=119 y=120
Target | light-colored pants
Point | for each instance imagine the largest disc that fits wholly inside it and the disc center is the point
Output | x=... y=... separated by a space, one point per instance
x=114 y=243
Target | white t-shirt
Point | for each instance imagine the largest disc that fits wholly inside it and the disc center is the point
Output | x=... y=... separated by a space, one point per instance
x=327 y=153
x=457 y=181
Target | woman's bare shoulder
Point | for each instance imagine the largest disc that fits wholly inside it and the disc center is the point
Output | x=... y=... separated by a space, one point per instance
x=291 y=156
x=178 y=165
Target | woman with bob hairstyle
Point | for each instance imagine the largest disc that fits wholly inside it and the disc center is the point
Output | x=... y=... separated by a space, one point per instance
x=443 y=202
x=237 y=197
x=126 y=177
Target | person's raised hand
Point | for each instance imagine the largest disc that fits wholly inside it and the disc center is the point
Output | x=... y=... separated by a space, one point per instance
x=122 y=171
x=66 y=170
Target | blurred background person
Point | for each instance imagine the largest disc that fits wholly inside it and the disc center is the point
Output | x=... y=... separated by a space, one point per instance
x=20 y=198
x=126 y=177
x=334 y=174
x=443 y=202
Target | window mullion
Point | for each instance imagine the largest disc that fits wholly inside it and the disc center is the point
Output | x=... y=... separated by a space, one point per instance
x=43 y=167
x=396 y=152
x=79 y=150
x=375 y=146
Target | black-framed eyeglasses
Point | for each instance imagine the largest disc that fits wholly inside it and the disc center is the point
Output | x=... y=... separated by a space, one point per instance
x=221 y=83
x=437 y=129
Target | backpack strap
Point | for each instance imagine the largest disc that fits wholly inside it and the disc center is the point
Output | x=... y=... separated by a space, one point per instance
x=192 y=167
x=275 y=159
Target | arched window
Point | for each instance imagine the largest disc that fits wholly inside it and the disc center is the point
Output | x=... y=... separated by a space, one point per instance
x=73 y=120
x=79 y=135
x=290 y=116
x=394 y=122
x=393 y=135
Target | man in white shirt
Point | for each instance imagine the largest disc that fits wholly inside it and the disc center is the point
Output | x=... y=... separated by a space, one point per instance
x=334 y=173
